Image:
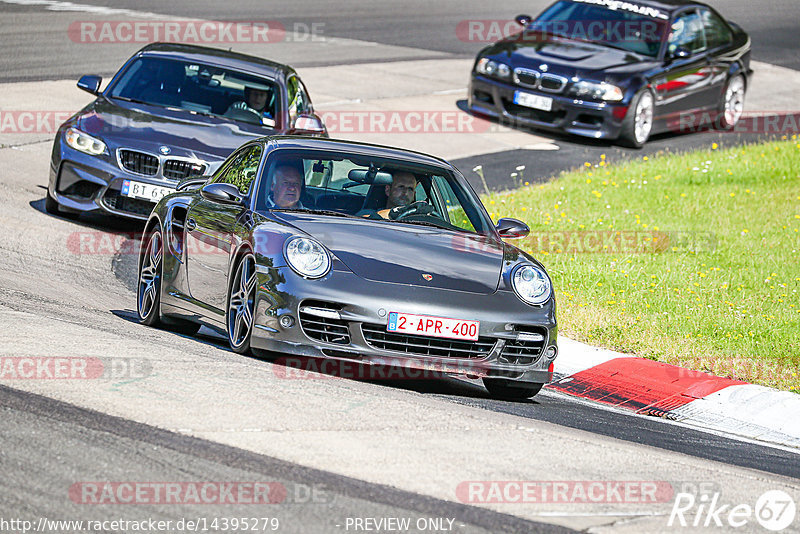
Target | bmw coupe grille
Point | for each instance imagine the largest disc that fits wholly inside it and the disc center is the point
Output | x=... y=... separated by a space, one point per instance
x=138 y=162
x=377 y=336
x=176 y=169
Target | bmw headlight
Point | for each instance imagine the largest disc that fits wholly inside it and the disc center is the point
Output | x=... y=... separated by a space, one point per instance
x=531 y=284
x=596 y=91
x=84 y=142
x=490 y=67
x=307 y=257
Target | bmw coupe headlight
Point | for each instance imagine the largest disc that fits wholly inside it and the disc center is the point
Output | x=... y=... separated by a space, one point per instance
x=596 y=91
x=307 y=257
x=490 y=67
x=531 y=284
x=85 y=142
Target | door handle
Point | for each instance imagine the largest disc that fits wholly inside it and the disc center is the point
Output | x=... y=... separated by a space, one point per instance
x=191 y=224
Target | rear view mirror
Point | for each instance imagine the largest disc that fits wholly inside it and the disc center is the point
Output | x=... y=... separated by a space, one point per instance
x=523 y=20
x=308 y=124
x=90 y=83
x=225 y=193
x=364 y=176
x=512 y=228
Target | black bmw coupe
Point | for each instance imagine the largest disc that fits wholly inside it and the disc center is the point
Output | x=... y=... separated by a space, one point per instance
x=172 y=111
x=290 y=248
x=612 y=69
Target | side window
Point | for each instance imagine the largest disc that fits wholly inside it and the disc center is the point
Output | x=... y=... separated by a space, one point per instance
x=454 y=212
x=687 y=32
x=717 y=32
x=242 y=169
x=299 y=102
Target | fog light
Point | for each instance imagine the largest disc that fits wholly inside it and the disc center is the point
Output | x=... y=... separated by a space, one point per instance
x=287 y=321
x=550 y=353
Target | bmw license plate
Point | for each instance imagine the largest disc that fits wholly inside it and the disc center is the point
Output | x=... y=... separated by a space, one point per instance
x=428 y=325
x=544 y=103
x=143 y=191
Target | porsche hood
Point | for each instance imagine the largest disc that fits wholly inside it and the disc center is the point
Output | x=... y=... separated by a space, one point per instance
x=407 y=254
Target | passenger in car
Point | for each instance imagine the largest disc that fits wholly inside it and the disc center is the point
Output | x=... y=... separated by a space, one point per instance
x=286 y=188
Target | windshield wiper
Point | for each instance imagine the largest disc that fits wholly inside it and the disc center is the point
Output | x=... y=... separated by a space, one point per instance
x=315 y=212
x=132 y=100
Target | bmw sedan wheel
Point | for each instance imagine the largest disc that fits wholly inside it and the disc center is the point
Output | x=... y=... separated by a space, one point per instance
x=241 y=304
x=733 y=103
x=148 y=301
x=501 y=388
x=637 y=125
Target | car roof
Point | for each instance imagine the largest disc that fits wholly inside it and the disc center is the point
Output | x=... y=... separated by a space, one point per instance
x=218 y=57
x=362 y=149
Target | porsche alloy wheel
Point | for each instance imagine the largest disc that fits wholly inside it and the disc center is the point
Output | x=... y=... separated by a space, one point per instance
x=148 y=299
x=241 y=304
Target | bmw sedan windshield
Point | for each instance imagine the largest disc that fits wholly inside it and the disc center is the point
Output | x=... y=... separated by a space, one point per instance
x=623 y=25
x=380 y=189
x=199 y=88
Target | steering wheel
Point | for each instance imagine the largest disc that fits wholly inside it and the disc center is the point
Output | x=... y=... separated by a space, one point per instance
x=420 y=207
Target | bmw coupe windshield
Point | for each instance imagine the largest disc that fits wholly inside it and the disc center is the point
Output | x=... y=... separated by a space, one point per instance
x=199 y=88
x=621 y=25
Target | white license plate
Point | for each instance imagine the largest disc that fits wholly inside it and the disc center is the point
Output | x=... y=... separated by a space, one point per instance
x=544 y=103
x=143 y=191
x=428 y=325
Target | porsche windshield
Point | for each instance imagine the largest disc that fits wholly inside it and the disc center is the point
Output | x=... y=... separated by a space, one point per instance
x=623 y=25
x=381 y=189
x=199 y=88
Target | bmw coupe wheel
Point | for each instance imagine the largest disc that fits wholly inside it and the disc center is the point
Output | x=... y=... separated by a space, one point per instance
x=638 y=123
x=733 y=103
x=500 y=388
x=241 y=305
x=148 y=302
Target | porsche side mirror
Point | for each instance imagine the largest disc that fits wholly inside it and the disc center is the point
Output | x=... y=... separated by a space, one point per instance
x=523 y=20
x=680 y=52
x=512 y=228
x=309 y=124
x=191 y=182
x=224 y=193
x=90 y=83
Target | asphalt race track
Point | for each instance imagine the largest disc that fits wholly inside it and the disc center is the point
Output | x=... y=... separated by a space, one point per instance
x=346 y=452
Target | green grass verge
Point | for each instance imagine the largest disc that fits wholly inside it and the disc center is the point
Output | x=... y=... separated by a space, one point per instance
x=689 y=259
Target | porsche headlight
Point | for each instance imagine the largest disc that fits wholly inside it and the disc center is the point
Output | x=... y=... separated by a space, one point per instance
x=307 y=257
x=84 y=142
x=531 y=284
x=596 y=91
x=490 y=67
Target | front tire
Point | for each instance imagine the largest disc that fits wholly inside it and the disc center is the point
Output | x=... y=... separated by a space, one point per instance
x=638 y=123
x=241 y=305
x=732 y=105
x=500 y=388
